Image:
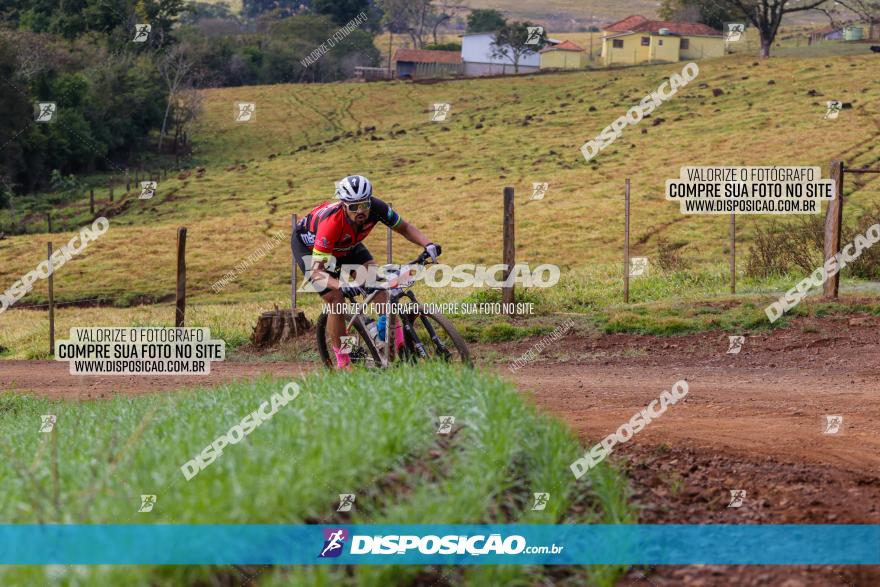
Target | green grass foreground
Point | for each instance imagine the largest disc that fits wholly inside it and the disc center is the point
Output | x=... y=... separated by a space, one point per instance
x=663 y=303
x=368 y=433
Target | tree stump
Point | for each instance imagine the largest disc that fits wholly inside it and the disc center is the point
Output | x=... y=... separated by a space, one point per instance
x=279 y=326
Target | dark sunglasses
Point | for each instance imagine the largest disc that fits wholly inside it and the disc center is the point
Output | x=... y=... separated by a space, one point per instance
x=355 y=206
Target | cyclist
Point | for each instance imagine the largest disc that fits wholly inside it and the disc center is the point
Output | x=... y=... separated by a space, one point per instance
x=331 y=236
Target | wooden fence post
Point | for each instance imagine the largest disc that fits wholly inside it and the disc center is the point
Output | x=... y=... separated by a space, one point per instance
x=181 y=278
x=388 y=256
x=51 y=302
x=626 y=245
x=111 y=192
x=293 y=266
x=833 y=223
x=91 y=201
x=389 y=319
x=293 y=278
x=732 y=253
x=509 y=253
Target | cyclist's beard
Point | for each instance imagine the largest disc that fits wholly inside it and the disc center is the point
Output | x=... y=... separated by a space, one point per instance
x=360 y=218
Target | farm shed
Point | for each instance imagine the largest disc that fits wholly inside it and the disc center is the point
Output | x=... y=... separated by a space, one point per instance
x=476 y=53
x=421 y=63
x=565 y=55
x=828 y=33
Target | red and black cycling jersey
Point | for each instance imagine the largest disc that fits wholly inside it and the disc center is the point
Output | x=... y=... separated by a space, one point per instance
x=327 y=229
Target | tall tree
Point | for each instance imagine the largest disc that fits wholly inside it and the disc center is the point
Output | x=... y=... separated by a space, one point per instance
x=513 y=42
x=485 y=21
x=16 y=119
x=284 y=8
x=766 y=15
x=341 y=11
x=418 y=17
x=177 y=70
x=413 y=17
x=436 y=19
x=394 y=15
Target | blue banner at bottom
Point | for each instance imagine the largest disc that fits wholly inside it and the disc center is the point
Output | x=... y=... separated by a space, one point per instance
x=518 y=544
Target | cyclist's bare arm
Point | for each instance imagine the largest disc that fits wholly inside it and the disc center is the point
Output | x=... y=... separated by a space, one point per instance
x=411 y=233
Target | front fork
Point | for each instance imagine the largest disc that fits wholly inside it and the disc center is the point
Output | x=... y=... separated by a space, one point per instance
x=412 y=342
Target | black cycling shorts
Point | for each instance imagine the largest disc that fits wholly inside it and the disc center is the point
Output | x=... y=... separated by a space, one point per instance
x=358 y=255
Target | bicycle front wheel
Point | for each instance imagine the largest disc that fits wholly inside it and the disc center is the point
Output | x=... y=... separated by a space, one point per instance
x=431 y=336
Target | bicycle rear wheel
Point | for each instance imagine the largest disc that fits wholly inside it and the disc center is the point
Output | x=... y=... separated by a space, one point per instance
x=364 y=352
x=431 y=336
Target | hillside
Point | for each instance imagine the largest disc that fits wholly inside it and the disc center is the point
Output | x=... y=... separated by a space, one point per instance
x=448 y=177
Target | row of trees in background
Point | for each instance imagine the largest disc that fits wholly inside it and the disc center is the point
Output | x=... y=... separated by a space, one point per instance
x=270 y=51
x=107 y=103
x=118 y=100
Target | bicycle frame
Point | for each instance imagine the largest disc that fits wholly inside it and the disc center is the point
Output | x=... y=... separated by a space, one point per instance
x=411 y=339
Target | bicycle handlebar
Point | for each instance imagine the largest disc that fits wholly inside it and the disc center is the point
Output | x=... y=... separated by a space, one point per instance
x=420 y=260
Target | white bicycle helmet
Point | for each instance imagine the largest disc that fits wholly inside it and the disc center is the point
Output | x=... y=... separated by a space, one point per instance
x=354 y=188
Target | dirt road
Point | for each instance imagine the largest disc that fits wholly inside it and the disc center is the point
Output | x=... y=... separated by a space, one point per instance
x=770 y=400
x=753 y=421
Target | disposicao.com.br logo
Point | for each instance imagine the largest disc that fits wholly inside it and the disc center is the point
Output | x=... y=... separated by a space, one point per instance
x=431 y=544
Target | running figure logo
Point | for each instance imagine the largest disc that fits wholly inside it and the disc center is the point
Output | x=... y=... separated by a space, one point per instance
x=535 y=34
x=834 y=108
x=638 y=266
x=245 y=111
x=736 y=344
x=47 y=422
x=141 y=32
x=348 y=344
x=148 y=190
x=334 y=540
x=440 y=112
x=45 y=111
x=737 y=497
x=147 y=503
x=446 y=423
x=735 y=31
x=541 y=500
x=539 y=190
x=346 y=501
x=832 y=424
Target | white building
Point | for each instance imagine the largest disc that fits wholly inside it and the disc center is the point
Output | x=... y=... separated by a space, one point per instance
x=476 y=53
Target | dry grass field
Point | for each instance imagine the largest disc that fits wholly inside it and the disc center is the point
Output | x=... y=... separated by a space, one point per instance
x=447 y=177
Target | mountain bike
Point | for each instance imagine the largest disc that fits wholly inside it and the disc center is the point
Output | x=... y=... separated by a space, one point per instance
x=428 y=335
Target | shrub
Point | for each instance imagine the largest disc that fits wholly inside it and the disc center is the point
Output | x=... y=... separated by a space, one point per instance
x=669 y=257
x=783 y=246
x=798 y=245
x=443 y=47
x=867 y=266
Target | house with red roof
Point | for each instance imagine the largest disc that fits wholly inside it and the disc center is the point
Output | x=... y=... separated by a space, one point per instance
x=636 y=39
x=564 y=55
